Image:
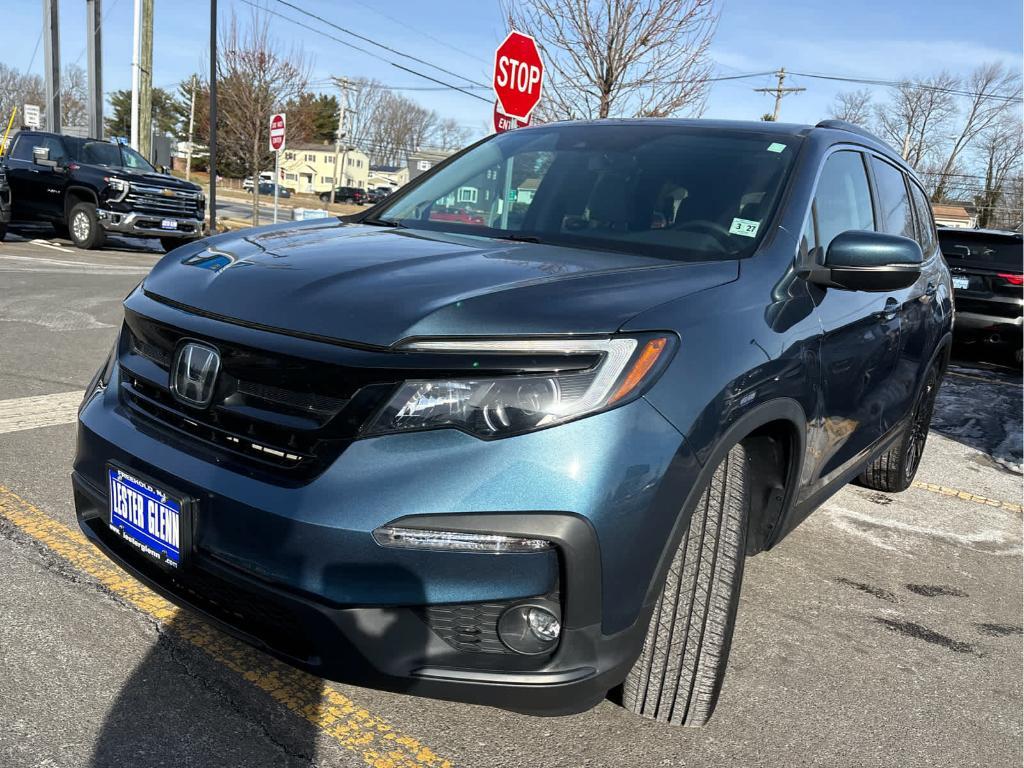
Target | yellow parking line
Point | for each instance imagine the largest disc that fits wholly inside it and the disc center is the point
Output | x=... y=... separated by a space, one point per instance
x=968 y=496
x=351 y=726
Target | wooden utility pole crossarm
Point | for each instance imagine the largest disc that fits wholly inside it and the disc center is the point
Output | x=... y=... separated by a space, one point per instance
x=779 y=91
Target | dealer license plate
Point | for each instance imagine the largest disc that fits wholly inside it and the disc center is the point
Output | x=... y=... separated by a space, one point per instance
x=963 y=283
x=169 y=224
x=148 y=517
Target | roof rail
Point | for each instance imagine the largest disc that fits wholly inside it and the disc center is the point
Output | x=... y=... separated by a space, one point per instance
x=843 y=125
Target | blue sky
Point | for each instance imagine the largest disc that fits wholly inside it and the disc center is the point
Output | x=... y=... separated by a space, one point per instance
x=872 y=38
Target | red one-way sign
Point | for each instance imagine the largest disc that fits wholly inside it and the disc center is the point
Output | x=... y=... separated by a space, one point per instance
x=518 y=75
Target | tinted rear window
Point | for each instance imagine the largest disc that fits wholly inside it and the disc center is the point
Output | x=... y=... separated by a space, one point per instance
x=1002 y=252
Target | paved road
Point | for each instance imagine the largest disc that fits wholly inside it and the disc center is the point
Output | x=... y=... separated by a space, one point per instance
x=885 y=631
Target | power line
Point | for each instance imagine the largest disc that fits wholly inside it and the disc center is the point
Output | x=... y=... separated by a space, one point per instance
x=380 y=45
x=908 y=84
x=402 y=67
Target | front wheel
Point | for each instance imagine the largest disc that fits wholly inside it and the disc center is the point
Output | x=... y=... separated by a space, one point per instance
x=680 y=670
x=84 y=228
x=895 y=469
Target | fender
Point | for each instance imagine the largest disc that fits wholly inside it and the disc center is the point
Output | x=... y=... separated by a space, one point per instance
x=780 y=409
x=82 y=191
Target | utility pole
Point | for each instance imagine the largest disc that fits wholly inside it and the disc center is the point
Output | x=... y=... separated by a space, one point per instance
x=779 y=91
x=51 y=52
x=146 y=82
x=136 y=18
x=213 y=118
x=191 y=127
x=344 y=87
x=93 y=20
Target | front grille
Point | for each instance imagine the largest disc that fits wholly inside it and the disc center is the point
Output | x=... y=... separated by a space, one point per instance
x=163 y=201
x=283 y=417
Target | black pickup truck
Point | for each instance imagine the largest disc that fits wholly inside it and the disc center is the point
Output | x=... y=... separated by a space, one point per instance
x=5 y=203
x=87 y=188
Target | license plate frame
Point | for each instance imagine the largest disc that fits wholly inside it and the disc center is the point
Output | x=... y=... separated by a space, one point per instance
x=154 y=547
x=169 y=224
x=961 y=283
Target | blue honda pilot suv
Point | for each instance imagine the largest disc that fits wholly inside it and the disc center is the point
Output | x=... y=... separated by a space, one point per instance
x=508 y=436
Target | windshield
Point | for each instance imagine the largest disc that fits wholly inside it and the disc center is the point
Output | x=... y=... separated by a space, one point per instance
x=659 y=190
x=107 y=153
x=984 y=249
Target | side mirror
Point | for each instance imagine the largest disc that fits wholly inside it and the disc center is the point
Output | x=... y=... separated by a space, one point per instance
x=41 y=156
x=869 y=261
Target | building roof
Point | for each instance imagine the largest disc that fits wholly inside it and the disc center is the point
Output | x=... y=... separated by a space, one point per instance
x=947 y=211
x=386 y=168
x=318 y=148
x=529 y=184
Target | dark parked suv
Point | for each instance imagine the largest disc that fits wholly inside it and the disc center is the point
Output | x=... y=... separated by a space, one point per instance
x=520 y=459
x=87 y=188
x=988 y=286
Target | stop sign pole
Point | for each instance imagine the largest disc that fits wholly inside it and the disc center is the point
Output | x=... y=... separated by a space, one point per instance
x=277 y=138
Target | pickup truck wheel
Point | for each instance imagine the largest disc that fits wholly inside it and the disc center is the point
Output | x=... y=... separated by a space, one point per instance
x=83 y=227
x=325 y=198
x=680 y=670
x=895 y=469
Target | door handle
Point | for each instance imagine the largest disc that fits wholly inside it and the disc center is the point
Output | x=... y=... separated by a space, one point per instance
x=892 y=308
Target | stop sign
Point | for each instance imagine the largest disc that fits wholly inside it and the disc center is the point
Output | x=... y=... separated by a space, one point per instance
x=518 y=73
x=277 y=123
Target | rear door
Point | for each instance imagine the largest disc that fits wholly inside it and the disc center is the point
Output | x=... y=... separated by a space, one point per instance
x=860 y=329
x=897 y=217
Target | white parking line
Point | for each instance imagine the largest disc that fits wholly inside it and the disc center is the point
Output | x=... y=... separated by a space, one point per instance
x=12 y=263
x=22 y=413
x=48 y=244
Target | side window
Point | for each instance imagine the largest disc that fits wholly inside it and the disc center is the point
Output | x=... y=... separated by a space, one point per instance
x=842 y=200
x=23 y=148
x=895 y=214
x=925 y=226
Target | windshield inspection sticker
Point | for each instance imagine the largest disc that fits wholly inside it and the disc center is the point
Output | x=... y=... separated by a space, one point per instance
x=776 y=147
x=744 y=227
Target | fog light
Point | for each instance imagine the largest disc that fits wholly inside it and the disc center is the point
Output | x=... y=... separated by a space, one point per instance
x=530 y=628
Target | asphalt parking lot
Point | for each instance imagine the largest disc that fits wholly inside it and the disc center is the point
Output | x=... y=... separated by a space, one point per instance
x=885 y=631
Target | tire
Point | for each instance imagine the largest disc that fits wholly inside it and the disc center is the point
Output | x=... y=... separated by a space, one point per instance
x=83 y=227
x=679 y=674
x=895 y=469
x=325 y=198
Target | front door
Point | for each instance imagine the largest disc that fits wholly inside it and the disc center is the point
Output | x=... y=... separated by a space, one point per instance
x=860 y=330
x=37 y=191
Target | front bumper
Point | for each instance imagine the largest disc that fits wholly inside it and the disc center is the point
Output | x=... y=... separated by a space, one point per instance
x=142 y=224
x=295 y=570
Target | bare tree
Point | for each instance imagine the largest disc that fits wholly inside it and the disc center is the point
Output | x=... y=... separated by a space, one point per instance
x=254 y=79
x=73 y=95
x=1000 y=148
x=364 y=101
x=994 y=91
x=645 y=58
x=853 y=107
x=450 y=135
x=16 y=90
x=916 y=117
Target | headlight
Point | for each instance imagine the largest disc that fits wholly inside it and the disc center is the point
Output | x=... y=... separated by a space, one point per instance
x=117 y=189
x=499 y=406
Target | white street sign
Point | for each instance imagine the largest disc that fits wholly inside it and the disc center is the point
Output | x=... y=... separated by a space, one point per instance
x=33 y=116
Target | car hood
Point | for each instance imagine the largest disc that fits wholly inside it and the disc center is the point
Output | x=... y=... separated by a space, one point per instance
x=155 y=179
x=377 y=286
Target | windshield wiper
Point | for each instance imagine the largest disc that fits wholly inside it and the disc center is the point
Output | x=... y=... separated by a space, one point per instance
x=515 y=237
x=383 y=223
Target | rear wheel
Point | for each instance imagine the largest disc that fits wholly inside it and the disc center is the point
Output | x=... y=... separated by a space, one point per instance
x=84 y=228
x=895 y=469
x=680 y=670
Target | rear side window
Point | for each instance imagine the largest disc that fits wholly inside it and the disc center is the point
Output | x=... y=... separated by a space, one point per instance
x=984 y=249
x=925 y=226
x=842 y=200
x=895 y=215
